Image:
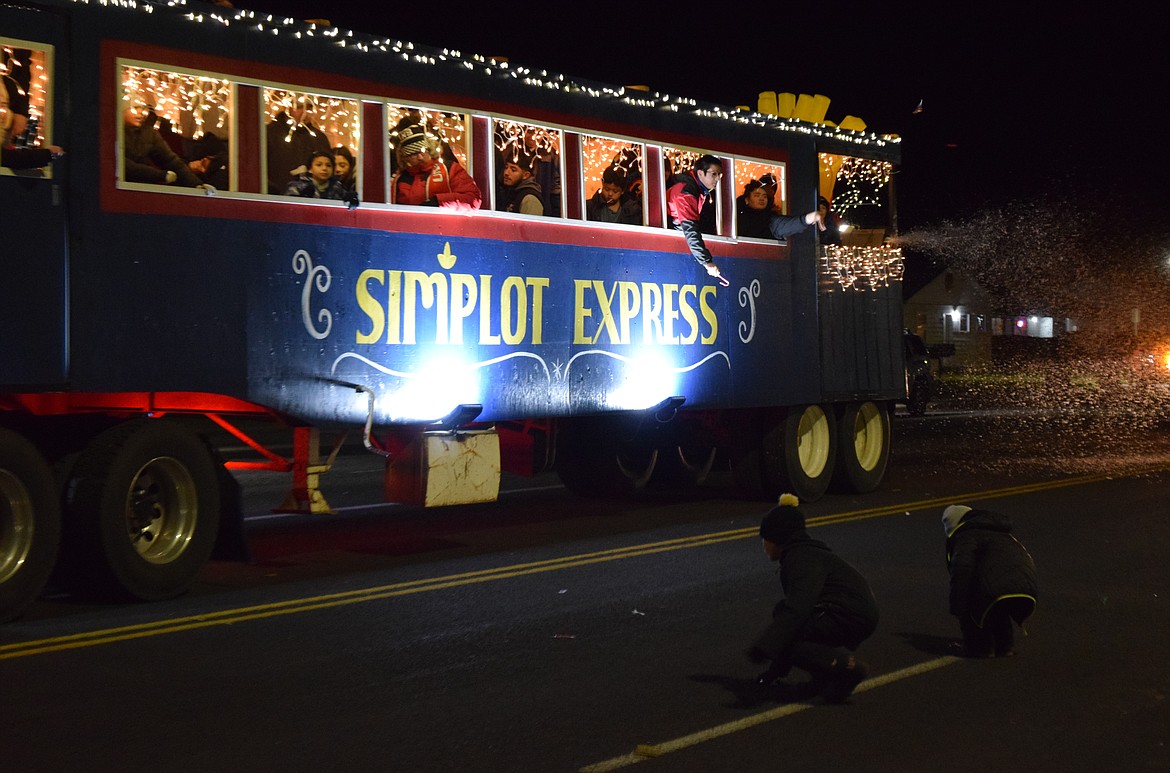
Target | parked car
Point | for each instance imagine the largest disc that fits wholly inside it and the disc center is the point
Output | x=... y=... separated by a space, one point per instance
x=919 y=380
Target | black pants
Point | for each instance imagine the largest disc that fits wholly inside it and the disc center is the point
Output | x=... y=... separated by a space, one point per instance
x=997 y=635
x=826 y=639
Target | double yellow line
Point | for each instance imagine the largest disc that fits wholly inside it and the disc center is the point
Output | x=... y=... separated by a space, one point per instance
x=364 y=595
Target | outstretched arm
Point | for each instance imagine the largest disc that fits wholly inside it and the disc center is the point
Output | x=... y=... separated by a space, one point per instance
x=786 y=225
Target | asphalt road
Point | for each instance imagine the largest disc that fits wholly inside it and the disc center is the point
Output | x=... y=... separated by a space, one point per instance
x=552 y=633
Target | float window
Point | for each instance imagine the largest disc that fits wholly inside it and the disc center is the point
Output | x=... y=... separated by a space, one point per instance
x=302 y=130
x=761 y=190
x=450 y=128
x=528 y=169
x=676 y=161
x=175 y=128
x=612 y=178
x=24 y=102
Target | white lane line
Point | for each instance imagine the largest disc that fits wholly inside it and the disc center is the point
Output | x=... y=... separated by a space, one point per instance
x=646 y=751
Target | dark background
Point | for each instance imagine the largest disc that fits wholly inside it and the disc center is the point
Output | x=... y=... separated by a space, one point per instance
x=1041 y=138
x=1016 y=103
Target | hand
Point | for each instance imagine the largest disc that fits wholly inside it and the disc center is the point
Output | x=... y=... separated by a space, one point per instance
x=170 y=177
x=208 y=189
x=714 y=271
x=815 y=217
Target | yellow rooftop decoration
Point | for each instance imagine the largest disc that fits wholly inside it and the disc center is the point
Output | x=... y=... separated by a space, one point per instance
x=810 y=108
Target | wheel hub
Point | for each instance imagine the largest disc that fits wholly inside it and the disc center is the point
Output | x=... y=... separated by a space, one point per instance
x=16 y=525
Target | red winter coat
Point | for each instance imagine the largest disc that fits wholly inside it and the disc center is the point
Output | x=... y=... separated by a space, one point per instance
x=436 y=184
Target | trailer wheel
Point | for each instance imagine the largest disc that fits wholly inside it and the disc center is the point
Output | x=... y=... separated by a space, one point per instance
x=863 y=447
x=681 y=467
x=142 y=510
x=751 y=433
x=807 y=452
x=30 y=524
x=599 y=456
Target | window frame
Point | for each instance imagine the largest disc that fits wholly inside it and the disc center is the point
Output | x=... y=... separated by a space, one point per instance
x=47 y=125
x=233 y=83
x=583 y=191
x=494 y=172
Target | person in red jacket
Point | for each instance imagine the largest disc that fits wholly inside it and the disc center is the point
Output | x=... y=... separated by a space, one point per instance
x=686 y=194
x=424 y=178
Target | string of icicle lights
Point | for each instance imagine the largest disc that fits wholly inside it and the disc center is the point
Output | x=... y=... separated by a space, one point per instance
x=269 y=24
x=862 y=268
x=864 y=178
x=336 y=118
x=194 y=103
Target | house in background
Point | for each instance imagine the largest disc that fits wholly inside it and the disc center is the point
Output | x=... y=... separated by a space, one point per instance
x=952 y=309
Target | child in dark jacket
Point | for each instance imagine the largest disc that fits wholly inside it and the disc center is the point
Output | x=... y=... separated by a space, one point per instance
x=993 y=579
x=827 y=609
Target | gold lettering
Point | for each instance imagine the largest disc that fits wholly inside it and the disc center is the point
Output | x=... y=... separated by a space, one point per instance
x=652 y=318
x=629 y=305
x=513 y=334
x=607 y=322
x=538 y=284
x=371 y=307
x=669 y=314
x=486 y=336
x=463 y=297
x=705 y=296
x=688 y=314
x=394 y=312
x=580 y=312
x=434 y=293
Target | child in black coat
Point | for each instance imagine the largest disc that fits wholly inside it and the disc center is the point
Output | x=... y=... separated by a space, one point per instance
x=827 y=609
x=993 y=579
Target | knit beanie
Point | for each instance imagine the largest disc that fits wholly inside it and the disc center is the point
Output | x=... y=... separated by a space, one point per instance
x=951 y=517
x=411 y=140
x=515 y=153
x=784 y=522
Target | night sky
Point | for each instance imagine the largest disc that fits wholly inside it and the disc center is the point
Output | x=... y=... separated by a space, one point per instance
x=1064 y=106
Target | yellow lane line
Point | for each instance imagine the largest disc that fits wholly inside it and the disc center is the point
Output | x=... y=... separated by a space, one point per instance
x=644 y=752
x=361 y=595
x=297 y=606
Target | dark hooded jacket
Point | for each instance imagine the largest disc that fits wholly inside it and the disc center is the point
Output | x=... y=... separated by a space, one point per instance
x=629 y=212
x=149 y=158
x=526 y=187
x=764 y=223
x=987 y=564
x=815 y=578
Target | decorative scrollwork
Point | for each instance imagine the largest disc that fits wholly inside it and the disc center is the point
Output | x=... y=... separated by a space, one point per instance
x=747 y=298
x=321 y=278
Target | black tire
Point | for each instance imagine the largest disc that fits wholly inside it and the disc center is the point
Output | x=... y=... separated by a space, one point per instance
x=601 y=456
x=795 y=453
x=681 y=467
x=807 y=455
x=754 y=454
x=863 y=447
x=142 y=510
x=30 y=524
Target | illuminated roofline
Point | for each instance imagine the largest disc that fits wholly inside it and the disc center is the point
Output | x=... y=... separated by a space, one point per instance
x=269 y=24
